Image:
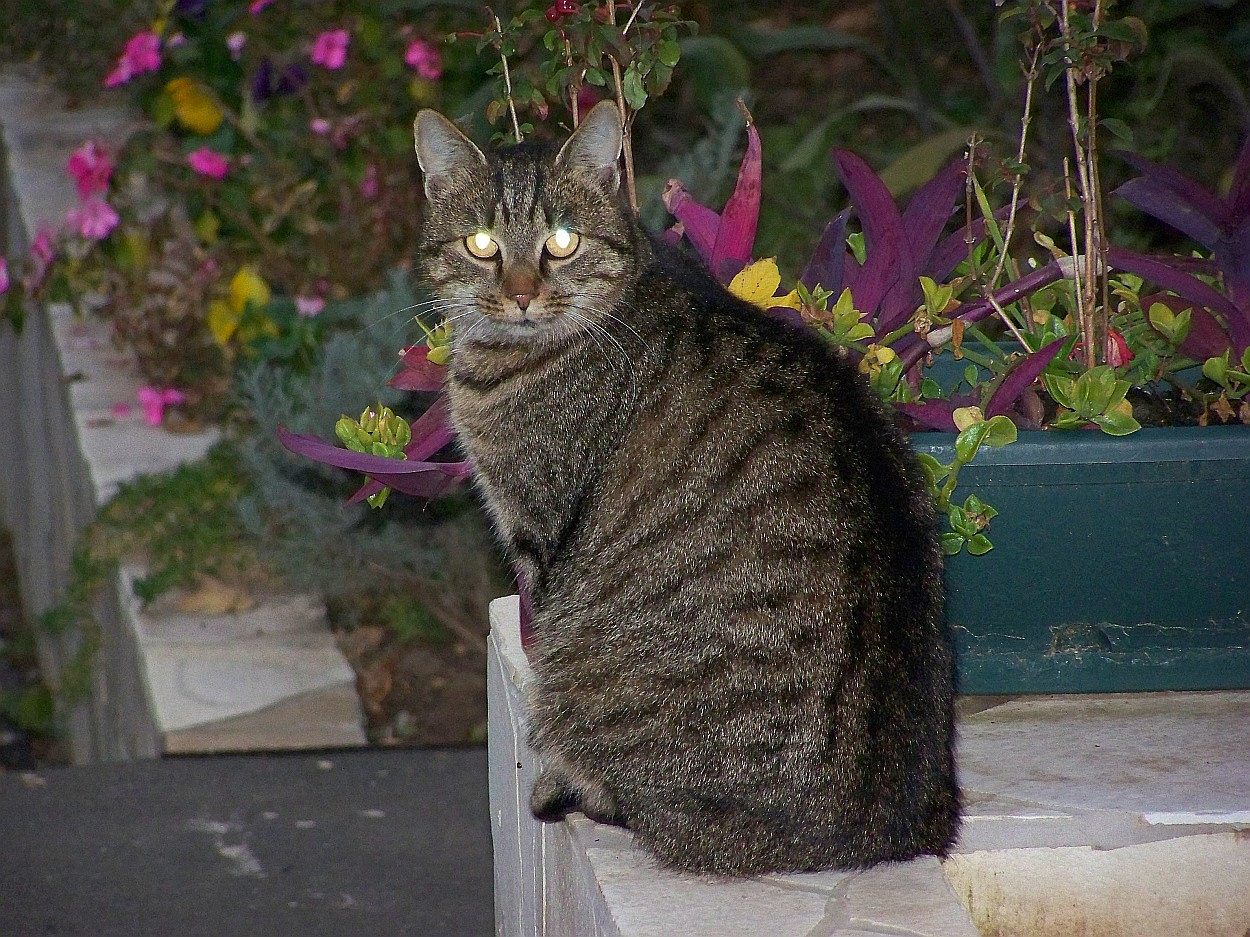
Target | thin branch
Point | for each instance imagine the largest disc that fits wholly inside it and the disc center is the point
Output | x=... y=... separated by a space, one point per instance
x=507 y=77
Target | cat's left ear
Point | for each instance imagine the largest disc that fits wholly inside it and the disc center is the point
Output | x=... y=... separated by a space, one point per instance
x=443 y=151
x=595 y=146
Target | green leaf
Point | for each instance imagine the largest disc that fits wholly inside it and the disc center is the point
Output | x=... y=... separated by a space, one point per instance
x=1118 y=128
x=1216 y=370
x=969 y=441
x=980 y=545
x=635 y=93
x=669 y=52
x=950 y=544
x=1117 y=423
x=1000 y=431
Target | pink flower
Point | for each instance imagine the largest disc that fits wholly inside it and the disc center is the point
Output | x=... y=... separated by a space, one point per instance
x=41 y=247
x=257 y=5
x=330 y=48
x=142 y=54
x=208 y=163
x=154 y=400
x=319 y=125
x=308 y=306
x=369 y=184
x=4 y=275
x=235 y=43
x=91 y=168
x=93 y=219
x=1116 y=351
x=424 y=57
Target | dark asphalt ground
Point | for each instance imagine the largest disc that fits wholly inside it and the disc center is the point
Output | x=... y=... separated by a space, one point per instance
x=378 y=842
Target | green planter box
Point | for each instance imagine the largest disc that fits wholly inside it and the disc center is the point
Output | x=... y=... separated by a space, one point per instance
x=1118 y=564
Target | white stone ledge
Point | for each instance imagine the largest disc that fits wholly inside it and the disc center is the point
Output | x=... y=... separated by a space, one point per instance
x=164 y=681
x=1107 y=815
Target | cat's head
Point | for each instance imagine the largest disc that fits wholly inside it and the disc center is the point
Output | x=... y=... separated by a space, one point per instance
x=526 y=243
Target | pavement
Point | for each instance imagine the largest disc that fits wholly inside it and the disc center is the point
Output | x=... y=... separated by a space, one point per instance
x=380 y=842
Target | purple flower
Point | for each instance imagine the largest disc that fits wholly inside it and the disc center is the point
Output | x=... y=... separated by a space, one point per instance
x=423 y=56
x=91 y=168
x=142 y=54
x=235 y=43
x=319 y=125
x=93 y=219
x=369 y=184
x=208 y=163
x=4 y=275
x=257 y=5
x=309 y=306
x=329 y=49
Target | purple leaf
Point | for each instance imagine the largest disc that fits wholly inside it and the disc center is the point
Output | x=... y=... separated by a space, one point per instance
x=417 y=372
x=954 y=248
x=1238 y=200
x=738 y=220
x=829 y=259
x=699 y=223
x=882 y=227
x=1175 y=200
x=1162 y=273
x=1232 y=256
x=1020 y=378
x=936 y=414
x=787 y=315
x=929 y=210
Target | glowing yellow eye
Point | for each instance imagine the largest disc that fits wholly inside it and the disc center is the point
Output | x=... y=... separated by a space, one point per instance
x=562 y=243
x=481 y=245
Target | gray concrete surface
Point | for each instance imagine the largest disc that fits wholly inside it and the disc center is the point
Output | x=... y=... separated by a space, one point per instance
x=379 y=842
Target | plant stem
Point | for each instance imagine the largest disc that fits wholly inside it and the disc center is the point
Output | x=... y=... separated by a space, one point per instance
x=507 y=78
x=627 y=118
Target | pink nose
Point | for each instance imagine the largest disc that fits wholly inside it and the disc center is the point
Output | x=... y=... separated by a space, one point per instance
x=523 y=300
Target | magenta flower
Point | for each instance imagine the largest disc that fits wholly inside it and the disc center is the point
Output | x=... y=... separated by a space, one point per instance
x=4 y=275
x=41 y=247
x=369 y=184
x=208 y=163
x=142 y=54
x=154 y=400
x=424 y=58
x=329 y=49
x=235 y=43
x=309 y=306
x=257 y=5
x=91 y=169
x=319 y=125
x=93 y=219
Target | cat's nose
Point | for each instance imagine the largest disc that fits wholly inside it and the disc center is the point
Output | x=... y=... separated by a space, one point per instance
x=523 y=300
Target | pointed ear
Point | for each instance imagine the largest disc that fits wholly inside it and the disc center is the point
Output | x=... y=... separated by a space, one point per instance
x=595 y=146
x=443 y=151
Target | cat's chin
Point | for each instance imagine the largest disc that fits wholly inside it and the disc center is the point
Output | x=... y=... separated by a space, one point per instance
x=490 y=330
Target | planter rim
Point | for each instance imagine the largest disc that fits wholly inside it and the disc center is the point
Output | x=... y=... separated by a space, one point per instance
x=1065 y=447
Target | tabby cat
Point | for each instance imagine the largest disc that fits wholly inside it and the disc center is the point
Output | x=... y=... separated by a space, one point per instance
x=740 y=651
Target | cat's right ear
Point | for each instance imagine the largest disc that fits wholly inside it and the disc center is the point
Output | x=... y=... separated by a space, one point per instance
x=443 y=152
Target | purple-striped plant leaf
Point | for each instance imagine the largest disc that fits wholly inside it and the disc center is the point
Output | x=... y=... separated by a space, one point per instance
x=736 y=235
x=1162 y=273
x=829 y=259
x=417 y=372
x=698 y=222
x=882 y=226
x=1175 y=200
x=1020 y=378
x=937 y=413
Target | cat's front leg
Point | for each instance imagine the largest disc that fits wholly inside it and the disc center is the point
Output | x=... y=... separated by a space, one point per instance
x=559 y=791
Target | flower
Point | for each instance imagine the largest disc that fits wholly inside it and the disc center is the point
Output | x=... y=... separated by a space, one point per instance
x=208 y=162
x=758 y=282
x=41 y=247
x=424 y=57
x=1116 y=351
x=247 y=291
x=91 y=169
x=369 y=184
x=257 y=5
x=319 y=125
x=4 y=275
x=309 y=306
x=142 y=54
x=93 y=219
x=194 y=105
x=235 y=43
x=329 y=49
x=154 y=400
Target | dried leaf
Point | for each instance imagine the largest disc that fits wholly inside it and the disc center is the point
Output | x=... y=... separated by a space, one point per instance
x=214 y=597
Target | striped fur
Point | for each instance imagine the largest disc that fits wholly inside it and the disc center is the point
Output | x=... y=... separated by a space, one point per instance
x=740 y=647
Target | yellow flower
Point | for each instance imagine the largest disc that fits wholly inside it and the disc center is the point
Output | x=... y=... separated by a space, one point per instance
x=194 y=105
x=876 y=358
x=247 y=289
x=758 y=282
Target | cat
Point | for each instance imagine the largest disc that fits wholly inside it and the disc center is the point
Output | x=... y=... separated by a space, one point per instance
x=740 y=650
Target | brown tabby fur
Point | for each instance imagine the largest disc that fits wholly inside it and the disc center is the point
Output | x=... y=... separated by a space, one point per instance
x=740 y=648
